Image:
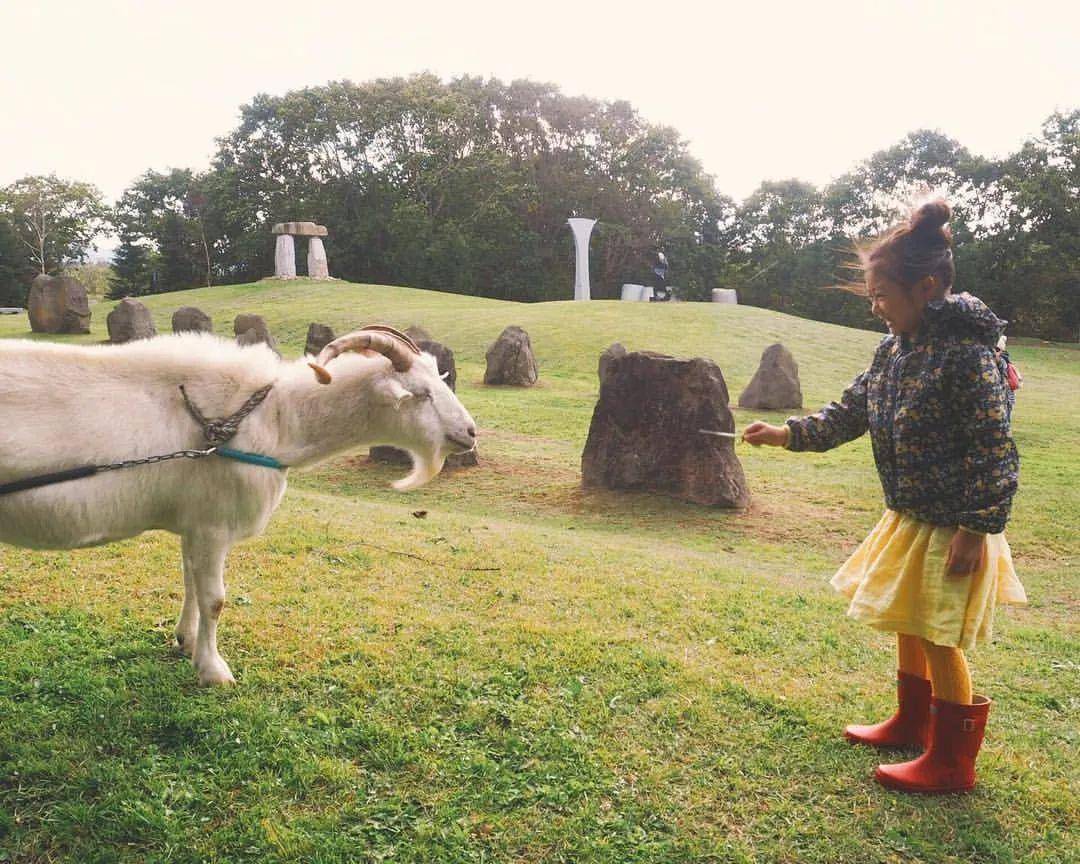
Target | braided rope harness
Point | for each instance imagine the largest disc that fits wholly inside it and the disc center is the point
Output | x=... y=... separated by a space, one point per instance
x=217 y=432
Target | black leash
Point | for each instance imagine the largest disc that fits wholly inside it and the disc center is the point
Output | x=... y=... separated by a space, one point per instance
x=91 y=470
x=217 y=432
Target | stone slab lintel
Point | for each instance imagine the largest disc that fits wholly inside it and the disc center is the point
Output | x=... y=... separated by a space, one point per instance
x=300 y=229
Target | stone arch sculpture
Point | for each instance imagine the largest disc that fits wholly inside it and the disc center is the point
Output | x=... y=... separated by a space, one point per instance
x=285 y=251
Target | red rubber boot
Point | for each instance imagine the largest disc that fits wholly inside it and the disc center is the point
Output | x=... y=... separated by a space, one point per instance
x=909 y=726
x=948 y=765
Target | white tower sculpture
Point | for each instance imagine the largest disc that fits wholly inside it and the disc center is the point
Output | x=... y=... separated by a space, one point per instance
x=582 y=228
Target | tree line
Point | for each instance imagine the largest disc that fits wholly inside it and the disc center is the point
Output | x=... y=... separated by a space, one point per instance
x=465 y=186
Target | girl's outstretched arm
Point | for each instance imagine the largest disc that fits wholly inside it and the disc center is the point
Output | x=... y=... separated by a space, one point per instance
x=759 y=432
x=835 y=424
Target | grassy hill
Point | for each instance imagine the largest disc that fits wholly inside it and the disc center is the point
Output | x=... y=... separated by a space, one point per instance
x=531 y=673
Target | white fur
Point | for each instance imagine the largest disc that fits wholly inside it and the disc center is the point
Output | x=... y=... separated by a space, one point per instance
x=63 y=406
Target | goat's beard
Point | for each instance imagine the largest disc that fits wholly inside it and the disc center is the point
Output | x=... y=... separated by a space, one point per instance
x=425 y=468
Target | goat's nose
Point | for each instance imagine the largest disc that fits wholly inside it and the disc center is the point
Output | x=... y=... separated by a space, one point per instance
x=471 y=431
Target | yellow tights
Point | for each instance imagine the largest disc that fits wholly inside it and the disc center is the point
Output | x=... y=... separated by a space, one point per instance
x=948 y=669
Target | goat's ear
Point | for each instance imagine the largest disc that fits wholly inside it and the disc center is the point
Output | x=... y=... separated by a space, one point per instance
x=321 y=375
x=398 y=393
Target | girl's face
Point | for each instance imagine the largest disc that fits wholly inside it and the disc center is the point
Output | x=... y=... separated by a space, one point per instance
x=899 y=307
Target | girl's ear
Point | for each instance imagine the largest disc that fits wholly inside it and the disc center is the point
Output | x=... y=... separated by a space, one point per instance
x=929 y=288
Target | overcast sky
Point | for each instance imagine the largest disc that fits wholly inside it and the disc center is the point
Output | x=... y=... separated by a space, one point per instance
x=101 y=91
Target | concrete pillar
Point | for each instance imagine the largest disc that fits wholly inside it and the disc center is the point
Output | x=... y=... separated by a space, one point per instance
x=317 y=268
x=285 y=257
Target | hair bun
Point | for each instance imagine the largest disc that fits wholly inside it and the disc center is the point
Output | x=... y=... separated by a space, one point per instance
x=931 y=218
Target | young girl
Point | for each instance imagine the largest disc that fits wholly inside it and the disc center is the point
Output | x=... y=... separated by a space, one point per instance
x=935 y=401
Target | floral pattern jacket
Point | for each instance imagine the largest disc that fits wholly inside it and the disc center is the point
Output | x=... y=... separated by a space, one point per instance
x=938 y=412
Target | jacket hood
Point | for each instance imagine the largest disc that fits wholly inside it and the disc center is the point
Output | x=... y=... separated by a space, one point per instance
x=963 y=315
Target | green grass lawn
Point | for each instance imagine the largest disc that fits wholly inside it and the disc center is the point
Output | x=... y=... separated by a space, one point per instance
x=532 y=673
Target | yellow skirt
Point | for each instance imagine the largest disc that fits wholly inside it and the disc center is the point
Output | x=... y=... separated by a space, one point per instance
x=896 y=581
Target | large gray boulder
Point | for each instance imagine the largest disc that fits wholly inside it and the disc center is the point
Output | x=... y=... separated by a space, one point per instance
x=58 y=304
x=511 y=361
x=775 y=385
x=318 y=337
x=645 y=431
x=189 y=319
x=128 y=321
x=252 y=329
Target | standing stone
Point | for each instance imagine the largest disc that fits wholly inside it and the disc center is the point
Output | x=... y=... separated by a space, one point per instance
x=316 y=259
x=130 y=320
x=775 y=385
x=58 y=304
x=510 y=360
x=417 y=333
x=392 y=456
x=189 y=319
x=318 y=337
x=285 y=257
x=645 y=434
x=251 y=330
x=612 y=352
x=444 y=359
x=389 y=455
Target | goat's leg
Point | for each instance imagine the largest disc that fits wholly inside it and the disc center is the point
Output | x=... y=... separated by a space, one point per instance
x=189 y=612
x=207 y=557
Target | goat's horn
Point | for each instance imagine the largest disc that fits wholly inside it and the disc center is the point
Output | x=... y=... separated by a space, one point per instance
x=398 y=352
x=397 y=334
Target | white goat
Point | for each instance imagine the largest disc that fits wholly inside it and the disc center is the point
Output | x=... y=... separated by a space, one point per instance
x=64 y=406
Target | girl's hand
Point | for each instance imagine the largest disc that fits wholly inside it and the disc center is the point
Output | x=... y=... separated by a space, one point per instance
x=966 y=553
x=759 y=433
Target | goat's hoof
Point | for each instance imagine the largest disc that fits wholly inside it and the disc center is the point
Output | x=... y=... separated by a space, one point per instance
x=216 y=673
x=185 y=644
